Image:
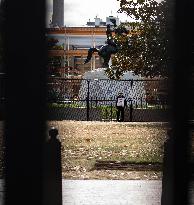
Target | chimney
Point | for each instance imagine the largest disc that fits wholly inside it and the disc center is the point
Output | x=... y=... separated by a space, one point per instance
x=58 y=13
x=97 y=22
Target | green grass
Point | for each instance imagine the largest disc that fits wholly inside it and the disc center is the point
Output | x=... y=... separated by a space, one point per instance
x=86 y=144
x=65 y=105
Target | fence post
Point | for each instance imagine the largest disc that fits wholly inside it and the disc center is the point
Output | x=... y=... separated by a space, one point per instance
x=91 y=102
x=88 y=101
x=111 y=110
x=2 y=96
x=53 y=171
x=136 y=105
x=106 y=113
x=131 y=111
x=2 y=87
x=141 y=102
x=167 y=185
x=96 y=102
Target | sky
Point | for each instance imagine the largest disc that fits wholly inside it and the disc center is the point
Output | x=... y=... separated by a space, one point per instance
x=78 y=12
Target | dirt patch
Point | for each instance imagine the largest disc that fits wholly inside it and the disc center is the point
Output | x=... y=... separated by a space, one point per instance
x=127 y=166
x=85 y=143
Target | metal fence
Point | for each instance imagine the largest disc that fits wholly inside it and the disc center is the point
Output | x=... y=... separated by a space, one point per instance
x=2 y=87
x=83 y=99
x=2 y=96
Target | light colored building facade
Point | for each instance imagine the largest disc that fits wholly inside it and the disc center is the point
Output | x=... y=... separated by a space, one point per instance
x=76 y=41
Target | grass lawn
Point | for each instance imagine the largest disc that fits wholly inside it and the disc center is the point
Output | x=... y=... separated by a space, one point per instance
x=84 y=143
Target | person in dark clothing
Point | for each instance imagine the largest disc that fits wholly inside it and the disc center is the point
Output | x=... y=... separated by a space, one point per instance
x=121 y=103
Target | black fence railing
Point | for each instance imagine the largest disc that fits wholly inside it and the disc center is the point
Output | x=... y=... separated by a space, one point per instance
x=2 y=87
x=83 y=99
x=2 y=95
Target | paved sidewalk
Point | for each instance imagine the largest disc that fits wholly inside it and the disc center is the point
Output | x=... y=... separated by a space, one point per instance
x=108 y=192
x=112 y=192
